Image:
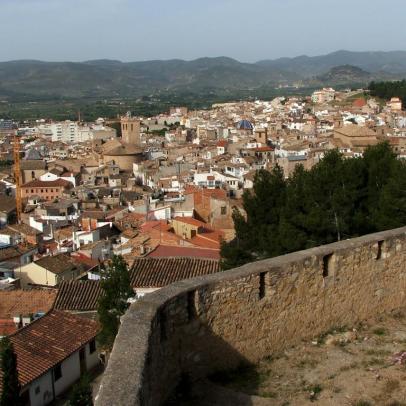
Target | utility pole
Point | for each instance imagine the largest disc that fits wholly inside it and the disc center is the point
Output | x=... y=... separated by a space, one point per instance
x=17 y=176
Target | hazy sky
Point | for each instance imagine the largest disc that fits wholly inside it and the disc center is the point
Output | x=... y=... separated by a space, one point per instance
x=248 y=30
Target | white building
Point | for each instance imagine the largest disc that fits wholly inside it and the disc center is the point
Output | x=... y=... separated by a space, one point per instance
x=325 y=95
x=48 y=370
x=70 y=132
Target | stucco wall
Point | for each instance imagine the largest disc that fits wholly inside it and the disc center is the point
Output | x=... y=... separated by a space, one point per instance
x=35 y=274
x=45 y=395
x=70 y=373
x=197 y=326
x=92 y=360
x=125 y=162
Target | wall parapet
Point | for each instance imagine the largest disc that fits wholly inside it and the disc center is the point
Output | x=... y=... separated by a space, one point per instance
x=199 y=326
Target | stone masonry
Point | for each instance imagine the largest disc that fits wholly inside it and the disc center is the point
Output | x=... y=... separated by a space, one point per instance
x=199 y=326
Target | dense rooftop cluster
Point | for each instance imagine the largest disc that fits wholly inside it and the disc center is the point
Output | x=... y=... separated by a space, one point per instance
x=161 y=192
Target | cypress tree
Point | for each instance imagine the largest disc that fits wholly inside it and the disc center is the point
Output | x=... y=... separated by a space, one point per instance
x=11 y=387
x=116 y=285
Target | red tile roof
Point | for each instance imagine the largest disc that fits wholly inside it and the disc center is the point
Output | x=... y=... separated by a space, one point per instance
x=165 y=251
x=219 y=193
x=51 y=183
x=25 y=302
x=263 y=149
x=7 y=327
x=161 y=225
x=61 y=263
x=78 y=295
x=159 y=272
x=48 y=341
x=361 y=102
x=191 y=221
x=10 y=253
x=201 y=241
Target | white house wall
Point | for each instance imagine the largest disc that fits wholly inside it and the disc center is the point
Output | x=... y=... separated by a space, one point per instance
x=91 y=359
x=70 y=373
x=45 y=395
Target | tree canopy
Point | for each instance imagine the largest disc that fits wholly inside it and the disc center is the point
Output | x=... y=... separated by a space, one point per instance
x=116 y=285
x=10 y=394
x=387 y=90
x=337 y=199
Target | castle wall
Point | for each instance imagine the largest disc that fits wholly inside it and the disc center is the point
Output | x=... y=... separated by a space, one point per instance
x=195 y=327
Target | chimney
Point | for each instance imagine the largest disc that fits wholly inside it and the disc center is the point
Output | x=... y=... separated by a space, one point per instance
x=17 y=321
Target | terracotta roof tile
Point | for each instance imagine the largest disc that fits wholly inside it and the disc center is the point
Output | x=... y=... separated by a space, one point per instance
x=61 y=263
x=31 y=164
x=7 y=327
x=24 y=302
x=165 y=251
x=78 y=295
x=7 y=204
x=191 y=221
x=15 y=252
x=49 y=340
x=158 y=272
x=51 y=183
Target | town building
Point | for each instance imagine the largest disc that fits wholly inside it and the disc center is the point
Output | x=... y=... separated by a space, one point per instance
x=52 y=354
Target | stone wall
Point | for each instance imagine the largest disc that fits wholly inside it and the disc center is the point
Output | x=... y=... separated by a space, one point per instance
x=198 y=326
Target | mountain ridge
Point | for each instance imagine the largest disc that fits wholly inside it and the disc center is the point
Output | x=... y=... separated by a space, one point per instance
x=105 y=78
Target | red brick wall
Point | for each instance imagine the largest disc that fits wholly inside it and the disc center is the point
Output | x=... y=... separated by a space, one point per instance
x=47 y=193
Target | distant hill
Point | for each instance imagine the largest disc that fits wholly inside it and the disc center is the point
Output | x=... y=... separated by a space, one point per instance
x=393 y=62
x=36 y=80
x=104 y=78
x=345 y=74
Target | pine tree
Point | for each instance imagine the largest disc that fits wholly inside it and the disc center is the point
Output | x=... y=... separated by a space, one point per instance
x=11 y=387
x=116 y=285
x=337 y=199
x=292 y=231
x=391 y=208
x=81 y=394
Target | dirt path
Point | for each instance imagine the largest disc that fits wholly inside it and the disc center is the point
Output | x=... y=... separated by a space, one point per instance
x=353 y=366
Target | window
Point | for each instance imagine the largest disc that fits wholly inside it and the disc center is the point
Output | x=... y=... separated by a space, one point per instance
x=327 y=261
x=57 y=372
x=191 y=305
x=223 y=210
x=92 y=346
x=379 y=251
x=262 y=285
x=37 y=390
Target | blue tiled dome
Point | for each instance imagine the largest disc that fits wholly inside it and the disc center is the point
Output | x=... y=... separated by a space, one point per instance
x=244 y=125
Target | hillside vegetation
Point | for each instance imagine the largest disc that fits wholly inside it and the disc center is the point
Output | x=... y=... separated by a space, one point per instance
x=337 y=199
x=387 y=90
x=106 y=79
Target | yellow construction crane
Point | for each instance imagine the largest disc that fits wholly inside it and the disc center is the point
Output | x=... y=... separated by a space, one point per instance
x=17 y=175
